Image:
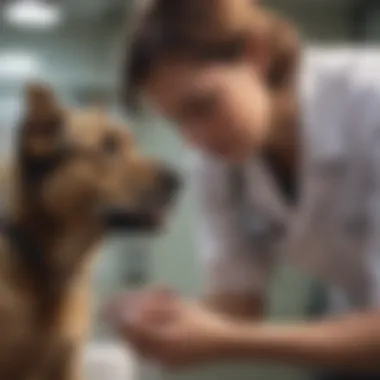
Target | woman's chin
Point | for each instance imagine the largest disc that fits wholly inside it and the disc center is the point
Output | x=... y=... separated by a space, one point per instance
x=234 y=154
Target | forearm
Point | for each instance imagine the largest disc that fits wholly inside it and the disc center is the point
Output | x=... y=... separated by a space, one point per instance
x=250 y=307
x=351 y=343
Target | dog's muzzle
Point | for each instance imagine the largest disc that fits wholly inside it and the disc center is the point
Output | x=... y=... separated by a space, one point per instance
x=154 y=203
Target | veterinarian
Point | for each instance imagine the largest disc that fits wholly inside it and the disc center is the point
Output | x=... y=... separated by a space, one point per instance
x=288 y=168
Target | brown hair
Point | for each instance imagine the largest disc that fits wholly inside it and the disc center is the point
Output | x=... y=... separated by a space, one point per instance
x=209 y=30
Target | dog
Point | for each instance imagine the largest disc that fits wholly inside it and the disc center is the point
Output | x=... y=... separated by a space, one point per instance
x=76 y=174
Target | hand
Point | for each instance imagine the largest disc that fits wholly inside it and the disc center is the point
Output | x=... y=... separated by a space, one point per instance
x=161 y=326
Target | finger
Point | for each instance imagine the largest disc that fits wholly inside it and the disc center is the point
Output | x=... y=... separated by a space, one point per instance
x=164 y=290
x=139 y=300
x=120 y=302
x=143 y=324
x=129 y=330
x=158 y=297
x=140 y=345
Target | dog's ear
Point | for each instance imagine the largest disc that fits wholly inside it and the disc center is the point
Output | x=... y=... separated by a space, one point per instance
x=42 y=121
x=41 y=103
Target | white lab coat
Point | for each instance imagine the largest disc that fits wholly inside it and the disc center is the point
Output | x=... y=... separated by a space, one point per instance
x=334 y=232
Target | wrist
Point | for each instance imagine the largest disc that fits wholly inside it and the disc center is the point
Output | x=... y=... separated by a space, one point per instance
x=260 y=340
x=242 y=340
x=234 y=340
x=273 y=342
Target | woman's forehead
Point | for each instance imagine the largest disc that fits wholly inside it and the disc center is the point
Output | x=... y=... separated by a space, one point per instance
x=171 y=86
x=180 y=78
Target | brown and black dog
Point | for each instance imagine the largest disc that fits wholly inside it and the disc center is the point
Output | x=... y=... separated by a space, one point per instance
x=76 y=173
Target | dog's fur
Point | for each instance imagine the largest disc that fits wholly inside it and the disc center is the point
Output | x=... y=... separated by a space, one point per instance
x=71 y=166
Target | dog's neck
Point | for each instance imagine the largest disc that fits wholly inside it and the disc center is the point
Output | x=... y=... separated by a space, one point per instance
x=59 y=247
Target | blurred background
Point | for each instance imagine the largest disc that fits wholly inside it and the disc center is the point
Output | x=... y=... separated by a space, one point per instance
x=74 y=44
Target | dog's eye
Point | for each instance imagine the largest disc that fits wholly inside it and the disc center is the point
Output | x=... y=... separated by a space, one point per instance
x=110 y=144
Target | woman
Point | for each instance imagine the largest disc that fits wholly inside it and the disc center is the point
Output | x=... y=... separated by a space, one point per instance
x=288 y=169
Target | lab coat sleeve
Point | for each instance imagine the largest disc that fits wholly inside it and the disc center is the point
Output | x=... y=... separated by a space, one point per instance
x=228 y=265
x=371 y=126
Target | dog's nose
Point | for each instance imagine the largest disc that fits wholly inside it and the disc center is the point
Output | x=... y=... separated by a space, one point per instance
x=170 y=181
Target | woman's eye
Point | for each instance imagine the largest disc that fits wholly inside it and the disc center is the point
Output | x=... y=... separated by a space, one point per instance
x=110 y=144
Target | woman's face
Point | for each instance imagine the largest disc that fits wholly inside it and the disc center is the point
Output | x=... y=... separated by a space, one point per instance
x=222 y=109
